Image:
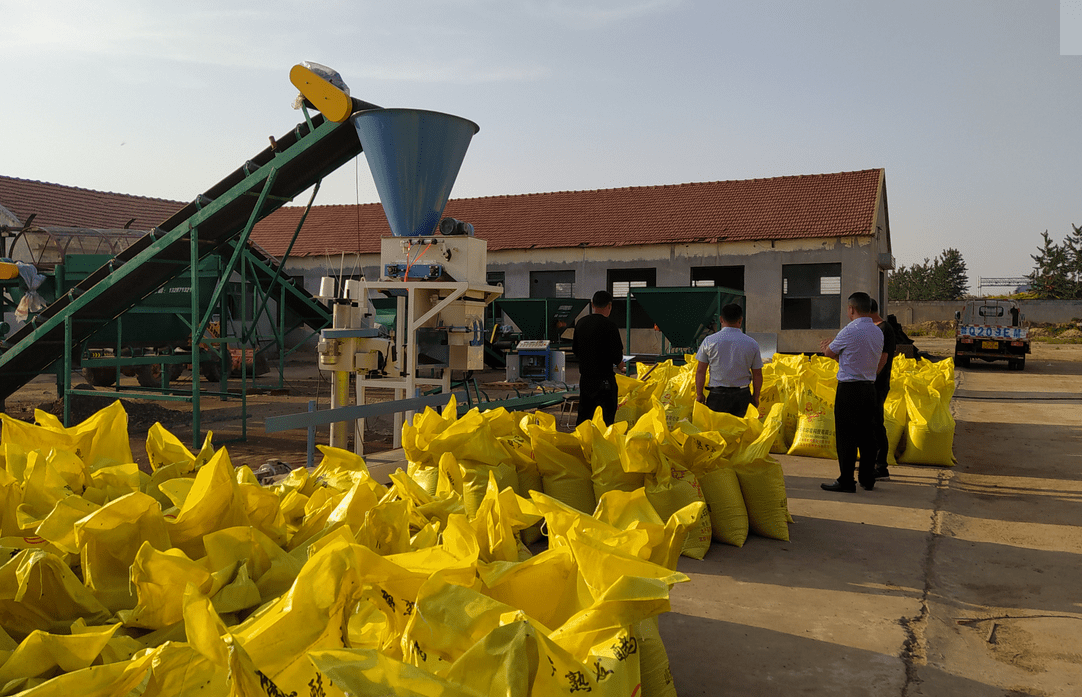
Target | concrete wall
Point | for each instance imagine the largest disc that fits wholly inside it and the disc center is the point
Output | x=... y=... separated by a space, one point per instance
x=1045 y=311
x=762 y=262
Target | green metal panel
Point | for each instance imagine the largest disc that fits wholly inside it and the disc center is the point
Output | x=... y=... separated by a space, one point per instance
x=685 y=315
x=386 y=311
x=540 y=318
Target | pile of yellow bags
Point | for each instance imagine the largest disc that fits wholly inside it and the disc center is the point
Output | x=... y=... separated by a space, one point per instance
x=717 y=459
x=918 y=410
x=196 y=580
x=916 y=413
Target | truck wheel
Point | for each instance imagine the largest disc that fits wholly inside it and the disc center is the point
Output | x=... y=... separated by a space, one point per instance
x=100 y=377
x=149 y=375
x=1019 y=364
x=962 y=361
x=211 y=371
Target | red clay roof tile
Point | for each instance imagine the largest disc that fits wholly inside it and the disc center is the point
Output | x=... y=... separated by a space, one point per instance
x=804 y=206
x=68 y=206
x=818 y=205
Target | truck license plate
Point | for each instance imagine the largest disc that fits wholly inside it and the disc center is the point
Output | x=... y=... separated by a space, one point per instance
x=992 y=345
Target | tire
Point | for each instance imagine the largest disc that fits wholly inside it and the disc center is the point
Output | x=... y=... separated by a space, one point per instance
x=962 y=361
x=149 y=375
x=100 y=377
x=1019 y=364
x=211 y=371
x=176 y=370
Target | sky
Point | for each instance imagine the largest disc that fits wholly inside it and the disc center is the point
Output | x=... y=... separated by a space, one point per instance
x=973 y=107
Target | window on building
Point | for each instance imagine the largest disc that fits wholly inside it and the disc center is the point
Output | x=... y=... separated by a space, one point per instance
x=811 y=296
x=620 y=289
x=552 y=284
x=713 y=276
x=494 y=278
x=620 y=282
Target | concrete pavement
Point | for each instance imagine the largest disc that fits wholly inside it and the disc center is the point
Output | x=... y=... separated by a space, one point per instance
x=943 y=581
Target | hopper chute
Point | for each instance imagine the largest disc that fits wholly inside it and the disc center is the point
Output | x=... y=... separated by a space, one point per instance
x=414 y=156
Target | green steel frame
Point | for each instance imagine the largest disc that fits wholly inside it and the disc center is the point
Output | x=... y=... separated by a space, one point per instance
x=227 y=212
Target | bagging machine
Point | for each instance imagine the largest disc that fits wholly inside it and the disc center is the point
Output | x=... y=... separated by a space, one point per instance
x=433 y=268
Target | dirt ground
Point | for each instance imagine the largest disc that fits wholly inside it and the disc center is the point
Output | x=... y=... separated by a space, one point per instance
x=942 y=581
x=238 y=424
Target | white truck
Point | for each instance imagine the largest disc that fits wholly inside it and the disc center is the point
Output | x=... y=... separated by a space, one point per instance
x=991 y=330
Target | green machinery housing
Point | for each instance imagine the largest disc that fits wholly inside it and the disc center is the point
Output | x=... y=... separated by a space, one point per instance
x=684 y=316
x=536 y=319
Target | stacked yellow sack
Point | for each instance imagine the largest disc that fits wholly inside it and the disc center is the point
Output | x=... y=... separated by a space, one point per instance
x=716 y=458
x=195 y=579
x=929 y=431
x=916 y=413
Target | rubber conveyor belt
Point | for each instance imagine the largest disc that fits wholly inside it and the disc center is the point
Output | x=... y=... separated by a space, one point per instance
x=300 y=158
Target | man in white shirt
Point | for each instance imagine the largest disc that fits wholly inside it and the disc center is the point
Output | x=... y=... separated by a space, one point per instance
x=858 y=348
x=734 y=361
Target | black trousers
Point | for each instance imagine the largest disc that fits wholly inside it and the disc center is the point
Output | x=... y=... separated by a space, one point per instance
x=882 y=445
x=854 y=425
x=731 y=400
x=594 y=393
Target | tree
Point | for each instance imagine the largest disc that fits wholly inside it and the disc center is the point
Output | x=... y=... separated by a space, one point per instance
x=1054 y=276
x=900 y=284
x=950 y=277
x=1073 y=243
x=944 y=278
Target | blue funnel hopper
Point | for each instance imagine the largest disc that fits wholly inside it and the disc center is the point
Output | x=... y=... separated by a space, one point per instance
x=414 y=157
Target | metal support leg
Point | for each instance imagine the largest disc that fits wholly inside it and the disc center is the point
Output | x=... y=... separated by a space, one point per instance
x=67 y=371
x=358 y=431
x=196 y=337
x=403 y=327
x=340 y=398
x=311 y=435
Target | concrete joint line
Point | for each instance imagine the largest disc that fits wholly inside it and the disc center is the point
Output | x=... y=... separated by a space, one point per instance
x=914 y=651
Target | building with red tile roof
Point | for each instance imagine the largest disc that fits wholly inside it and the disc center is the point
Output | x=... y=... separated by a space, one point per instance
x=798 y=207
x=796 y=245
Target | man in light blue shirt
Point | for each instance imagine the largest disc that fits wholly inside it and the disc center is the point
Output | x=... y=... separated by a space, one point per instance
x=858 y=348
x=735 y=362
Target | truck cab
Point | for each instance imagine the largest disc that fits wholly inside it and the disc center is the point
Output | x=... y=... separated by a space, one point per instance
x=991 y=330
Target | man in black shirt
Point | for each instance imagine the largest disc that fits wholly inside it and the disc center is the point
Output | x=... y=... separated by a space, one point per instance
x=882 y=387
x=598 y=348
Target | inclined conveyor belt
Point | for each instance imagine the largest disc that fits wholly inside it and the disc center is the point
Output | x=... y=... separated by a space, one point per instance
x=297 y=160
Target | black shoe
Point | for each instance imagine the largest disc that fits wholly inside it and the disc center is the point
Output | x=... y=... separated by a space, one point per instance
x=837 y=485
x=867 y=486
x=882 y=473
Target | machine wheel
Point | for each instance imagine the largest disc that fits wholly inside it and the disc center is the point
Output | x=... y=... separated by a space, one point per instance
x=211 y=371
x=100 y=377
x=149 y=375
x=175 y=371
